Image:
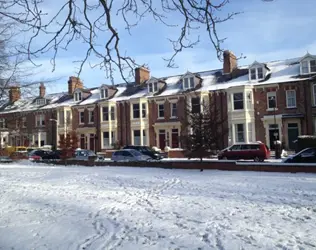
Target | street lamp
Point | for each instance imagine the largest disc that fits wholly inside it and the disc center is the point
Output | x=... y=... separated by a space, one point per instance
x=54 y=144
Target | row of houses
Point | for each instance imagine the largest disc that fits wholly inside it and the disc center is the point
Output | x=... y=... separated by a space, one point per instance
x=259 y=102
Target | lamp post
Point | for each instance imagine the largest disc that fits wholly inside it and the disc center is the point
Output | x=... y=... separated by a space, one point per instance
x=54 y=144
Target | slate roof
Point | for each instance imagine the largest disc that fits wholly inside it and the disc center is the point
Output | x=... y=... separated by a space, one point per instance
x=277 y=72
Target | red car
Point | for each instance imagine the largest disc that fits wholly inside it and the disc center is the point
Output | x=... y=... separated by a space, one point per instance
x=247 y=151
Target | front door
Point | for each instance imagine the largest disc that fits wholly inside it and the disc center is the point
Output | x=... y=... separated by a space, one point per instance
x=292 y=134
x=82 y=141
x=91 y=142
x=174 y=138
x=273 y=135
x=162 y=139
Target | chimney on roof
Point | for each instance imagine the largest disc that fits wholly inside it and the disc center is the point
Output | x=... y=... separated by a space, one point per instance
x=42 y=90
x=230 y=62
x=142 y=74
x=14 y=94
x=74 y=83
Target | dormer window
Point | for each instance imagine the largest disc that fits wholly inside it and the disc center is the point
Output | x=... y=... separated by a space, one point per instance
x=308 y=66
x=256 y=73
x=188 y=83
x=153 y=87
x=78 y=96
x=40 y=102
x=104 y=93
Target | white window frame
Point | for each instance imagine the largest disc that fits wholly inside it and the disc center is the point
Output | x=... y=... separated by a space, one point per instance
x=104 y=139
x=287 y=98
x=243 y=100
x=272 y=94
x=40 y=120
x=236 y=132
x=163 y=110
x=81 y=112
x=104 y=93
x=61 y=117
x=2 y=123
x=112 y=113
x=144 y=142
x=108 y=114
x=24 y=122
x=40 y=102
x=256 y=69
x=309 y=68
x=188 y=82
x=139 y=113
x=91 y=114
x=153 y=87
x=139 y=137
x=78 y=96
x=143 y=110
x=171 y=110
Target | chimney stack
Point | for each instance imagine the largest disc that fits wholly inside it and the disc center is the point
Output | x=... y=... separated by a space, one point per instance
x=142 y=74
x=14 y=94
x=42 y=90
x=230 y=62
x=74 y=83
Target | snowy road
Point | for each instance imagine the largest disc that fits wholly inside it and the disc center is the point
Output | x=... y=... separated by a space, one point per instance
x=143 y=208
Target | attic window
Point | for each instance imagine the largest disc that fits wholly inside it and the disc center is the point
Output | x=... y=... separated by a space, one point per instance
x=308 y=66
x=40 y=102
x=153 y=87
x=188 y=83
x=78 y=96
x=104 y=93
x=256 y=73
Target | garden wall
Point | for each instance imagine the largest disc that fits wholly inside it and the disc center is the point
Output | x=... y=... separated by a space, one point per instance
x=218 y=165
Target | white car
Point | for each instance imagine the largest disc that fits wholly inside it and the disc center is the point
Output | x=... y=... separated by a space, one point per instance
x=129 y=155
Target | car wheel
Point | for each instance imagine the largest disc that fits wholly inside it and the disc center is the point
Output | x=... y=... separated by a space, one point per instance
x=256 y=159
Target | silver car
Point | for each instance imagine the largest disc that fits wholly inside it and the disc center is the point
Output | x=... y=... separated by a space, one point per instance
x=84 y=154
x=129 y=155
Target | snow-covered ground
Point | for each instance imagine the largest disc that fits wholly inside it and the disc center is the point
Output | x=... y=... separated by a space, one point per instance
x=45 y=207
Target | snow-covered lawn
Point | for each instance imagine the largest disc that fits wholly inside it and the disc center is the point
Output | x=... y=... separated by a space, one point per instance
x=45 y=207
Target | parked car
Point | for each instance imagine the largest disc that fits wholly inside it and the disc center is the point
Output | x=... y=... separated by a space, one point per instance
x=38 y=154
x=129 y=155
x=5 y=159
x=84 y=154
x=307 y=155
x=247 y=151
x=146 y=151
x=52 y=155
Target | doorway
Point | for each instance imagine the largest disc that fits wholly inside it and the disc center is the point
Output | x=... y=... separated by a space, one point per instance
x=292 y=134
x=273 y=135
x=174 y=138
x=91 y=142
x=162 y=139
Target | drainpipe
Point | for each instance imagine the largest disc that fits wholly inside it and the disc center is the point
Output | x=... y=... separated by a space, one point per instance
x=306 y=109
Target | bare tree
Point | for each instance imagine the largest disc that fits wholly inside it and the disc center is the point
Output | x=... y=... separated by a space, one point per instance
x=206 y=128
x=89 y=20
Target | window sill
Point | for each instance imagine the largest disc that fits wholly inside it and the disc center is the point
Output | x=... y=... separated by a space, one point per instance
x=160 y=118
x=173 y=117
x=291 y=107
x=272 y=109
x=91 y=123
x=238 y=110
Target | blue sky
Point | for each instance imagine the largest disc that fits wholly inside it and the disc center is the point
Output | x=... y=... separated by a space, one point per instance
x=265 y=31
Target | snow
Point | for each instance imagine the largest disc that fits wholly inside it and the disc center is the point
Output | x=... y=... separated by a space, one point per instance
x=45 y=207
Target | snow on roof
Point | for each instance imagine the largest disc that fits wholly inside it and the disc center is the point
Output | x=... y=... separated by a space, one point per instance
x=93 y=98
x=280 y=71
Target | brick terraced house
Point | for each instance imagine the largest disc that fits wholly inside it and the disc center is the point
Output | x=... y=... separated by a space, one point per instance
x=259 y=102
